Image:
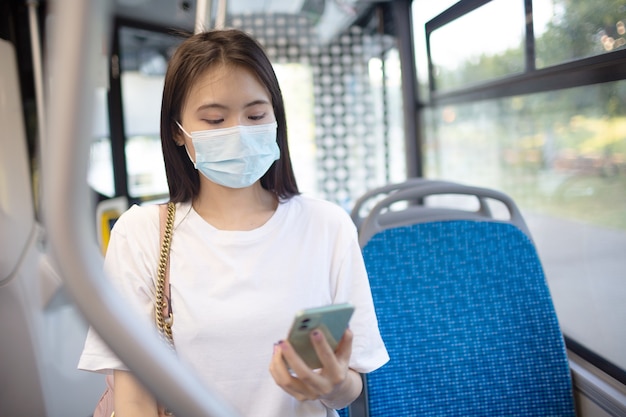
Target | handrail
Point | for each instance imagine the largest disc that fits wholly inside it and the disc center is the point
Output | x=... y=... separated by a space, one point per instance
x=76 y=39
x=372 y=224
x=388 y=189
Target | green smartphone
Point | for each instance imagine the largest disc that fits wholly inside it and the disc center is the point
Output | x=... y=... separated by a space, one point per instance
x=332 y=320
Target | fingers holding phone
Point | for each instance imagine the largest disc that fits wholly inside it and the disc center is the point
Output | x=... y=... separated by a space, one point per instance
x=314 y=359
x=330 y=323
x=332 y=358
x=294 y=376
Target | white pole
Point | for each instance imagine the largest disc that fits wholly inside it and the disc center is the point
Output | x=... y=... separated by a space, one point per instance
x=76 y=42
x=220 y=17
x=203 y=15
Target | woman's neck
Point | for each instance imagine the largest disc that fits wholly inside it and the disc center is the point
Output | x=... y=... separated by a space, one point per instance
x=235 y=209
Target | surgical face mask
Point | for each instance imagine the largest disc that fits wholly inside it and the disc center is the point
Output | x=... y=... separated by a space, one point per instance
x=235 y=157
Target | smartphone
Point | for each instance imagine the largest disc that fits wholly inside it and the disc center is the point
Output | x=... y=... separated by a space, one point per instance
x=332 y=320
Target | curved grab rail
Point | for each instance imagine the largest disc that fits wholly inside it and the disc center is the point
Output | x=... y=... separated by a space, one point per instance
x=68 y=220
x=389 y=189
x=374 y=222
x=360 y=203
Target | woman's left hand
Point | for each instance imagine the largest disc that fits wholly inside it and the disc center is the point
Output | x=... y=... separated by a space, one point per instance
x=335 y=384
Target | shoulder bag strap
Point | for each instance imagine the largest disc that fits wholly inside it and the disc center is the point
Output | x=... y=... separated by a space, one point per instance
x=163 y=308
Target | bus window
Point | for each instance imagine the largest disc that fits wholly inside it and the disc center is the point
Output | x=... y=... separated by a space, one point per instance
x=560 y=152
x=570 y=30
x=296 y=81
x=100 y=173
x=490 y=36
x=423 y=11
x=386 y=86
x=143 y=61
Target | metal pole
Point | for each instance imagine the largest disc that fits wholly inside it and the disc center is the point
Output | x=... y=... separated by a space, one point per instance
x=77 y=35
x=412 y=126
x=37 y=64
x=203 y=15
x=35 y=45
x=220 y=18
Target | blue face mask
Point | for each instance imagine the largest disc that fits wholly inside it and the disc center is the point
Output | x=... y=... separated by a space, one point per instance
x=235 y=157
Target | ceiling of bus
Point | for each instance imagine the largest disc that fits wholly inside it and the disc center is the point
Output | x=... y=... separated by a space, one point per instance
x=331 y=15
x=148 y=51
x=182 y=12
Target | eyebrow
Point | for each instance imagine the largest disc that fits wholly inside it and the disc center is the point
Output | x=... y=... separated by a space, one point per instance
x=223 y=107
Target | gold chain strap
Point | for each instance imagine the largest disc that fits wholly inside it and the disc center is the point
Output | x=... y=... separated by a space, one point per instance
x=164 y=320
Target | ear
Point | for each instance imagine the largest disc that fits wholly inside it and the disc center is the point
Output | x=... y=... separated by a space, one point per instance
x=179 y=139
x=178 y=135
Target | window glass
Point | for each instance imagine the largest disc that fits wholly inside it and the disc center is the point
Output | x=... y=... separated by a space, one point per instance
x=422 y=12
x=567 y=30
x=141 y=98
x=296 y=84
x=562 y=156
x=484 y=44
x=144 y=55
x=386 y=85
x=100 y=171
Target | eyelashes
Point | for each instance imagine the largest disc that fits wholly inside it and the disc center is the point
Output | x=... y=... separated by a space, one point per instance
x=254 y=118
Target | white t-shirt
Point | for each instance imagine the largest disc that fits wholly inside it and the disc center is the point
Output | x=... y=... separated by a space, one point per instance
x=235 y=293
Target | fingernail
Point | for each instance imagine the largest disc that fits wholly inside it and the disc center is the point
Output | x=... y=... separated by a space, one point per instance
x=317 y=334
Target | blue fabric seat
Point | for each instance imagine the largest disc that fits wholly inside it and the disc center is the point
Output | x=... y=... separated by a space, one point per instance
x=463 y=307
x=469 y=323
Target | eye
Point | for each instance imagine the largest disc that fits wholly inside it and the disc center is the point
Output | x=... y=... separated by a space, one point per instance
x=213 y=121
x=257 y=117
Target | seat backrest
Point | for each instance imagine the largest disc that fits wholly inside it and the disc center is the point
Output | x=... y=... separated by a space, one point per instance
x=381 y=217
x=467 y=317
x=364 y=203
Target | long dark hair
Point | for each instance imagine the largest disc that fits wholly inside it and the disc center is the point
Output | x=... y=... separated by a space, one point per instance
x=190 y=61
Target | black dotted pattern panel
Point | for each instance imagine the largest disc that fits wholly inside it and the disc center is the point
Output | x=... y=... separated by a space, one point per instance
x=345 y=142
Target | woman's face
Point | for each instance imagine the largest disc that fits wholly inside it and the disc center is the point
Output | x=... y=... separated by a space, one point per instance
x=225 y=96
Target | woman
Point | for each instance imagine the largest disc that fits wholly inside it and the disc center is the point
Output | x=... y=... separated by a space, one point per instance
x=248 y=251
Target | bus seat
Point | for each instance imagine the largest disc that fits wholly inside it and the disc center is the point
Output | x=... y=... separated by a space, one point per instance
x=41 y=333
x=107 y=213
x=17 y=217
x=19 y=371
x=467 y=317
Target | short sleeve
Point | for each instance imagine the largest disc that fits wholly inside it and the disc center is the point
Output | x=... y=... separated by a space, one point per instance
x=130 y=264
x=352 y=285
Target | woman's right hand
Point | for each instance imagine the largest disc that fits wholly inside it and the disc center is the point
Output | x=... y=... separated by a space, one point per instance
x=335 y=384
